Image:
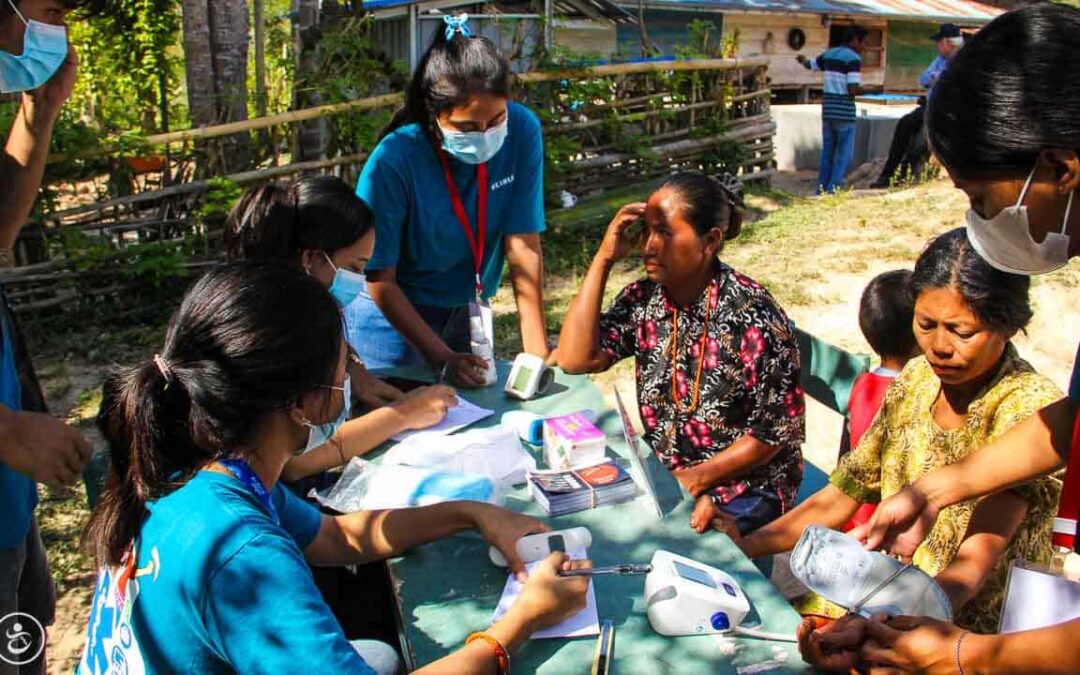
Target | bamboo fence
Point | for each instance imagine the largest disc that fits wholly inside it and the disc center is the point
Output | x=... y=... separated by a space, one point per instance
x=638 y=121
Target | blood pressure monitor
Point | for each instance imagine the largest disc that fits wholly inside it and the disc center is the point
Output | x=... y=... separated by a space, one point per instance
x=685 y=597
x=528 y=377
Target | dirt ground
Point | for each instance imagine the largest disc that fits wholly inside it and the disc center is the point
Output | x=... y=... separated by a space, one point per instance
x=814 y=254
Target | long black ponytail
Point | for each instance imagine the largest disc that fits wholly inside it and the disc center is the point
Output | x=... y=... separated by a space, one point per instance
x=453 y=69
x=248 y=339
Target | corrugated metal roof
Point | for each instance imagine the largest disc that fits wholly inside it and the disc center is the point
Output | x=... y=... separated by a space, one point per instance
x=959 y=11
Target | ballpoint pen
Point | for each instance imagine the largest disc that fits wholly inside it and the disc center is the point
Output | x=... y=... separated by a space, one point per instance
x=625 y=569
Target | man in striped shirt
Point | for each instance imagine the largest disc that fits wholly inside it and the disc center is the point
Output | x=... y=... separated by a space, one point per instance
x=843 y=80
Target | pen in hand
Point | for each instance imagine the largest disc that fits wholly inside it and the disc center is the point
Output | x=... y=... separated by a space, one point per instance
x=625 y=569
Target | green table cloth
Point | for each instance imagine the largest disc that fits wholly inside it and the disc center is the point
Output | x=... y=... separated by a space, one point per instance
x=448 y=589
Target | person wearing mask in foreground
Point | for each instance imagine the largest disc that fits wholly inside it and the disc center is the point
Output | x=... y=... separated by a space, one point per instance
x=39 y=65
x=204 y=557
x=318 y=225
x=1004 y=122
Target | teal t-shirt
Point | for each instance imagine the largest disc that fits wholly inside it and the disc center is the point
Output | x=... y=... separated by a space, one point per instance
x=220 y=589
x=18 y=493
x=416 y=230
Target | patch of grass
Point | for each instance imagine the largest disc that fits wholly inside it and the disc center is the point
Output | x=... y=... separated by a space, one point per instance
x=62 y=515
x=86 y=407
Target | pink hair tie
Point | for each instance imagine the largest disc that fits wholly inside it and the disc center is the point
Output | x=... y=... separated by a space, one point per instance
x=164 y=369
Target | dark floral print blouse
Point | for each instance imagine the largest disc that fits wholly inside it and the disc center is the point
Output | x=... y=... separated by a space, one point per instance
x=749 y=380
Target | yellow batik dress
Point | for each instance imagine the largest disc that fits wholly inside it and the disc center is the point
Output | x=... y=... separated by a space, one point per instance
x=904 y=443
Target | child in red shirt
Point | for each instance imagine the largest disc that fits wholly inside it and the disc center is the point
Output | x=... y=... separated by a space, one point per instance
x=886 y=312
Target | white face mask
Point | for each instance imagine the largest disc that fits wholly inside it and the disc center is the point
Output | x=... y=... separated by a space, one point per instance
x=1005 y=242
x=474 y=147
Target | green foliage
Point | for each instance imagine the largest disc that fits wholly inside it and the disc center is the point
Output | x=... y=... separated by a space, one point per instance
x=218 y=200
x=125 y=57
x=349 y=68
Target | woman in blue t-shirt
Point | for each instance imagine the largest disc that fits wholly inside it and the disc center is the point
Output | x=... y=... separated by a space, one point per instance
x=204 y=556
x=316 y=224
x=456 y=184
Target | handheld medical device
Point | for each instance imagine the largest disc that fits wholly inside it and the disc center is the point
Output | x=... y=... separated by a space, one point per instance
x=533 y=547
x=685 y=597
x=528 y=377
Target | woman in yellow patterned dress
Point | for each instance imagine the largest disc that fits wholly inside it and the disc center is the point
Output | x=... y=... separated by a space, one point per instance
x=969 y=387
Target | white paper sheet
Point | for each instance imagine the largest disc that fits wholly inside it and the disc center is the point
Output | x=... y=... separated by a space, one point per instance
x=458 y=417
x=1036 y=599
x=495 y=452
x=586 y=622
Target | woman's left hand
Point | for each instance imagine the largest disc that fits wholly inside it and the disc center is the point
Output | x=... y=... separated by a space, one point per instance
x=502 y=529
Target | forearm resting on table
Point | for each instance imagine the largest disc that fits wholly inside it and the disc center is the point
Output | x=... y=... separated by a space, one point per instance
x=367 y=536
x=399 y=311
x=356 y=437
x=525 y=257
x=992 y=526
x=828 y=506
x=743 y=455
x=1035 y=447
x=478 y=657
x=1046 y=650
x=579 y=342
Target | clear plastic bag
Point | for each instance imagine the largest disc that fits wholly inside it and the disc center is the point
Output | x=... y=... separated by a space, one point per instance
x=495 y=452
x=365 y=486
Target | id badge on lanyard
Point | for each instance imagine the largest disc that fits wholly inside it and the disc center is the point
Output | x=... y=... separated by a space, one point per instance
x=481 y=324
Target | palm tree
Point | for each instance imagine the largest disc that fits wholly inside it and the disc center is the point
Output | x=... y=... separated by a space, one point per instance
x=215 y=55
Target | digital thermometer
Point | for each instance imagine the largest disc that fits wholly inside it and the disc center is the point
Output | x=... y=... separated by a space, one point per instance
x=533 y=547
x=528 y=377
x=685 y=597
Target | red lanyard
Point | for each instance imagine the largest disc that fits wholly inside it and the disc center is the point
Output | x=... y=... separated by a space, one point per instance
x=476 y=243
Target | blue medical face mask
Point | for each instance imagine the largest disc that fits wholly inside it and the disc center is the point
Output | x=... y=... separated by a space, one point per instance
x=474 y=147
x=321 y=433
x=45 y=47
x=346 y=285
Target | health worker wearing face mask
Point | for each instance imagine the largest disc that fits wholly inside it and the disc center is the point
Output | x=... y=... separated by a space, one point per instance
x=317 y=224
x=1005 y=123
x=456 y=185
x=204 y=560
x=37 y=67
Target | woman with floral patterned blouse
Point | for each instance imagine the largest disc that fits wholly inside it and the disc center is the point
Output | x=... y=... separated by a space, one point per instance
x=969 y=388
x=717 y=361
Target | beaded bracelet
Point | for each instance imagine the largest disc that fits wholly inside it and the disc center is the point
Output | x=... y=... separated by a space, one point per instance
x=500 y=652
x=959 y=642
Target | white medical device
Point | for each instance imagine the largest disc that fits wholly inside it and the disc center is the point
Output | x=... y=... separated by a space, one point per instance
x=685 y=597
x=533 y=547
x=528 y=377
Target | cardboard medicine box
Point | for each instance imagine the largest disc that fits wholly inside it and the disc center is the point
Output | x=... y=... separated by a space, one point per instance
x=572 y=440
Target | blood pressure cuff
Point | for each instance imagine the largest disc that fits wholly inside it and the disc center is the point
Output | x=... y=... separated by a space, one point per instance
x=838 y=568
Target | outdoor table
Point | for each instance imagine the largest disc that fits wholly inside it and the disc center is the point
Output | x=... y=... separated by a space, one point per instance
x=448 y=589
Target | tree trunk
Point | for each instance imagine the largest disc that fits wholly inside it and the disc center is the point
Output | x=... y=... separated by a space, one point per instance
x=215 y=53
x=199 y=63
x=312 y=136
x=229 y=45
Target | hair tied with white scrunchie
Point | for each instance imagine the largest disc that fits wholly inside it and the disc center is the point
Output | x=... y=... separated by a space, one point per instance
x=164 y=369
x=457 y=24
